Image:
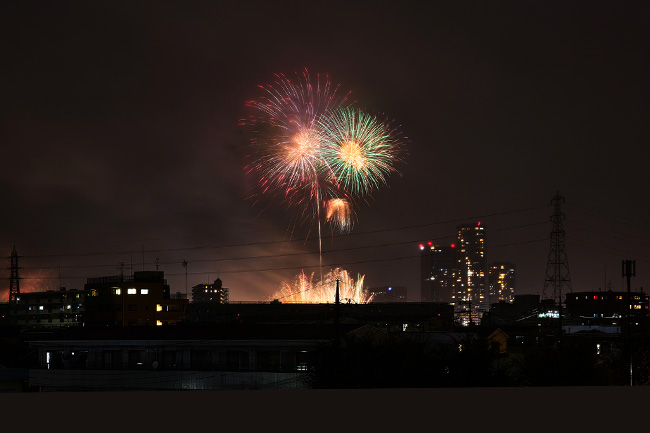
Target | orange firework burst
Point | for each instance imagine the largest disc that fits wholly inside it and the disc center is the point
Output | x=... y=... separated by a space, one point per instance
x=339 y=212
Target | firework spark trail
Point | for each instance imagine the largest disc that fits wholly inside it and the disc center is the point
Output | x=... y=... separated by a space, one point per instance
x=287 y=143
x=303 y=290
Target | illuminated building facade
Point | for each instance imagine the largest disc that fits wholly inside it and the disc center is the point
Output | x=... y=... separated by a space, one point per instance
x=49 y=309
x=212 y=293
x=606 y=307
x=439 y=274
x=470 y=297
x=142 y=299
x=501 y=276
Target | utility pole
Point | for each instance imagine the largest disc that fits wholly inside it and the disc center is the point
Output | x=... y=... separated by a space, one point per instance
x=121 y=268
x=185 y=266
x=337 y=330
x=628 y=271
x=337 y=312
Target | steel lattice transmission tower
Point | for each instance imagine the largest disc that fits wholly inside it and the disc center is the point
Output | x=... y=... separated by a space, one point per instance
x=14 y=280
x=557 y=266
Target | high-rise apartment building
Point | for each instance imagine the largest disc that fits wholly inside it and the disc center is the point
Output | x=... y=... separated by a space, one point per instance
x=459 y=274
x=501 y=277
x=471 y=293
x=438 y=272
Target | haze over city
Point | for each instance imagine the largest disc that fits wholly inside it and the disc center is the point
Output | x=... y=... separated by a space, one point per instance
x=122 y=143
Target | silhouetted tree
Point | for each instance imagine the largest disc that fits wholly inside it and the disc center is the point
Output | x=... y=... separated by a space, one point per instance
x=365 y=362
x=405 y=361
x=574 y=366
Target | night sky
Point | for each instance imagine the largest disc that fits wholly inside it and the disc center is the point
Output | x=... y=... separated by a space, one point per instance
x=120 y=137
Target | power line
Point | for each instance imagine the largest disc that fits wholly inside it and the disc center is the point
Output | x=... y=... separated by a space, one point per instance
x=624 y=252
x=631 y=238
x=612 y=217
x=302 y=253
x=262 y=243
x=334 y=264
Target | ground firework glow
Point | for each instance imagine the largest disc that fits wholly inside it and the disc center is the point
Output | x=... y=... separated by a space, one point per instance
x=303 y=290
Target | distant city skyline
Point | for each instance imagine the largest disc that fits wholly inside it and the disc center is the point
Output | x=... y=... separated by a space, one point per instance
x=122 y=138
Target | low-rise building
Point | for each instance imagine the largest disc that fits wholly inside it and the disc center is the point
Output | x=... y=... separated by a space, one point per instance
x=49 y=309
x=142 y=299
x=607 y=308
x=202 y=357
x=210 y=293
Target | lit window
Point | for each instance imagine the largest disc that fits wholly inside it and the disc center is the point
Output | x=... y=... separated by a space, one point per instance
x=144 y=291
x=118 y=291
x=131 y=291
x=69 y=307
x=40 y=307
x=158 y=323
x=158 y=307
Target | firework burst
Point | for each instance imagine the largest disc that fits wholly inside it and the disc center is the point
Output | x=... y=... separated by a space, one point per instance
x=303 y=290
x=315 y=151
x=339 y=213
x=360 y=149
x=287 y=138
